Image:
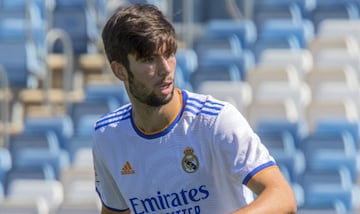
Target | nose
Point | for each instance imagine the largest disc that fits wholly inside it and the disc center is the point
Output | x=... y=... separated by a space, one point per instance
x=166 y=65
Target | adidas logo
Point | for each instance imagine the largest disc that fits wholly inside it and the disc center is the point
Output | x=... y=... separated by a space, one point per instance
x=127 y=169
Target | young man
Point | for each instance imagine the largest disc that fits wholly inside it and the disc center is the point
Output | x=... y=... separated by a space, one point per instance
x=170 y=150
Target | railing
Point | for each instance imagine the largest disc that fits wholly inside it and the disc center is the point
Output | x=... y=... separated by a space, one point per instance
x=52 y=36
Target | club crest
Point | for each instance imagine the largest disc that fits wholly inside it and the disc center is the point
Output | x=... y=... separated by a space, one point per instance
x=190 y=163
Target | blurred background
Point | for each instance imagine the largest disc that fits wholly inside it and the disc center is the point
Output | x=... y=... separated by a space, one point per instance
x=290 y=66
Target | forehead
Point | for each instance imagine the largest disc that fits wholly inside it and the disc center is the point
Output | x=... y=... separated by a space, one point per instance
x=162 y=50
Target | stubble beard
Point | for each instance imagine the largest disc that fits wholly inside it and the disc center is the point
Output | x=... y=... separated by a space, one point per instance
x=138 y=91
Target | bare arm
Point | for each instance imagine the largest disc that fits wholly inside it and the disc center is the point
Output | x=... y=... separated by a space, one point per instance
x=104 y=210
x=274 y=194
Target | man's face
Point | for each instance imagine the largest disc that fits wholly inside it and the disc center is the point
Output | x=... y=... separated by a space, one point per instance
x=151 y=80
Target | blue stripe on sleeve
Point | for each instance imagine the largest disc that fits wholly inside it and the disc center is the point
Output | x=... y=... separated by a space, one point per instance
x=258 y=169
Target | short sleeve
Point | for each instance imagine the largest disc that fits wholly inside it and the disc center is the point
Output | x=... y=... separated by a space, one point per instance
x=105 y=185
x=240 y=148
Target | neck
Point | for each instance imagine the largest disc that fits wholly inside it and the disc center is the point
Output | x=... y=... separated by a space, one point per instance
x=154 y=119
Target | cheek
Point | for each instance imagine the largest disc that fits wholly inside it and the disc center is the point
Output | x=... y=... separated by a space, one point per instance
x=144 y=72
x=172 y=62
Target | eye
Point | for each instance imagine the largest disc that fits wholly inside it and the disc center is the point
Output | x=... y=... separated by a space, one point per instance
x=149 y=59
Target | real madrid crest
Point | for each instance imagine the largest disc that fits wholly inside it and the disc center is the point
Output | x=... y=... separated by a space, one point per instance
x=190 y=163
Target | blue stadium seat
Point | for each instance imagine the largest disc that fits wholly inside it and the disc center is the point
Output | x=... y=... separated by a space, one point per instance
x=187 y=61
x=42 y=172
x=245 y=30
x=24 y=18
x=291 y=12
x=304 y=5
x=282 y=147
x=303 y=31
x=34 y=140
x=214 y=73
x=34 y=149
x=324 y=188
x=62 y=126
x=204 y=44
x=20 y=60
x=213 y=9
x=5 y=164
x=179 y=13
x=296 y=129
x=77 y=20
x=265 y=43
x=330 y=9
x=339 y=127
x=329 y=151
x=20 y=9
x=115 y=91
x=180 y=81
x=84 y=114
x=243 y=61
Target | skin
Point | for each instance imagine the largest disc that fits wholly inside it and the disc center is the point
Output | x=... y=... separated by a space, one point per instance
x=150 y=86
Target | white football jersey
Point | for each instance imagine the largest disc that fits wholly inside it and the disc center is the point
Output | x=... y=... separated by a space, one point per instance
x=200 y=163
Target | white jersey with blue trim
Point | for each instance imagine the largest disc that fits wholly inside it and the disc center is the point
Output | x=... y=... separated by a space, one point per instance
x=200 y=163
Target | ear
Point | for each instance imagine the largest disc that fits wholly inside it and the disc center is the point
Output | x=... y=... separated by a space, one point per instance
x=119 y=70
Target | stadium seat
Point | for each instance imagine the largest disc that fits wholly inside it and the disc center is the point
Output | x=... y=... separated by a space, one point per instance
x=264 y=43
x=187 y=60
x=20 y=60
x=261 y=14
x=5 y=164
x=229 y=73
x=77 y=20
x=337 y=83
x=243 y=61
x=281 y=111
x=245 y=30
x=304 y=5
x=203 y=45
x=340 y=28
x=180 y=82
x=301 y=59
x=237 y=93
x=30 y=205
x=282 y=147
x=326 y=9
x=335 y=207
x=261 y=75
x=327 y=43
x=297 y=129
x=61 y=125
x=301 y=95
x=330 y=151
x=51 y=191
x=303 y=31
x=337 y=58
x=330 y=111
x=324 y=188
x=84 y=114
x=114 y=90
x=41 y=172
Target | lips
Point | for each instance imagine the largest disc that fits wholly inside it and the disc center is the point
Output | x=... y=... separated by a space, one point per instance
x=165 y=87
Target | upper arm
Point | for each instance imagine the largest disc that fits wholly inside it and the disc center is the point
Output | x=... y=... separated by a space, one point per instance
x=270 y=177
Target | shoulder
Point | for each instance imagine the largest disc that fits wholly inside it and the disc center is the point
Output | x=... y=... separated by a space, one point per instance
x=116 y=116
x=200 y=104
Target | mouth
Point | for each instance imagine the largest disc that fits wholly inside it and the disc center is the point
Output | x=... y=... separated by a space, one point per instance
x=166 y=87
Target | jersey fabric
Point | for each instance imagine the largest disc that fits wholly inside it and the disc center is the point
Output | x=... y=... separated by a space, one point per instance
x=200 y=163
